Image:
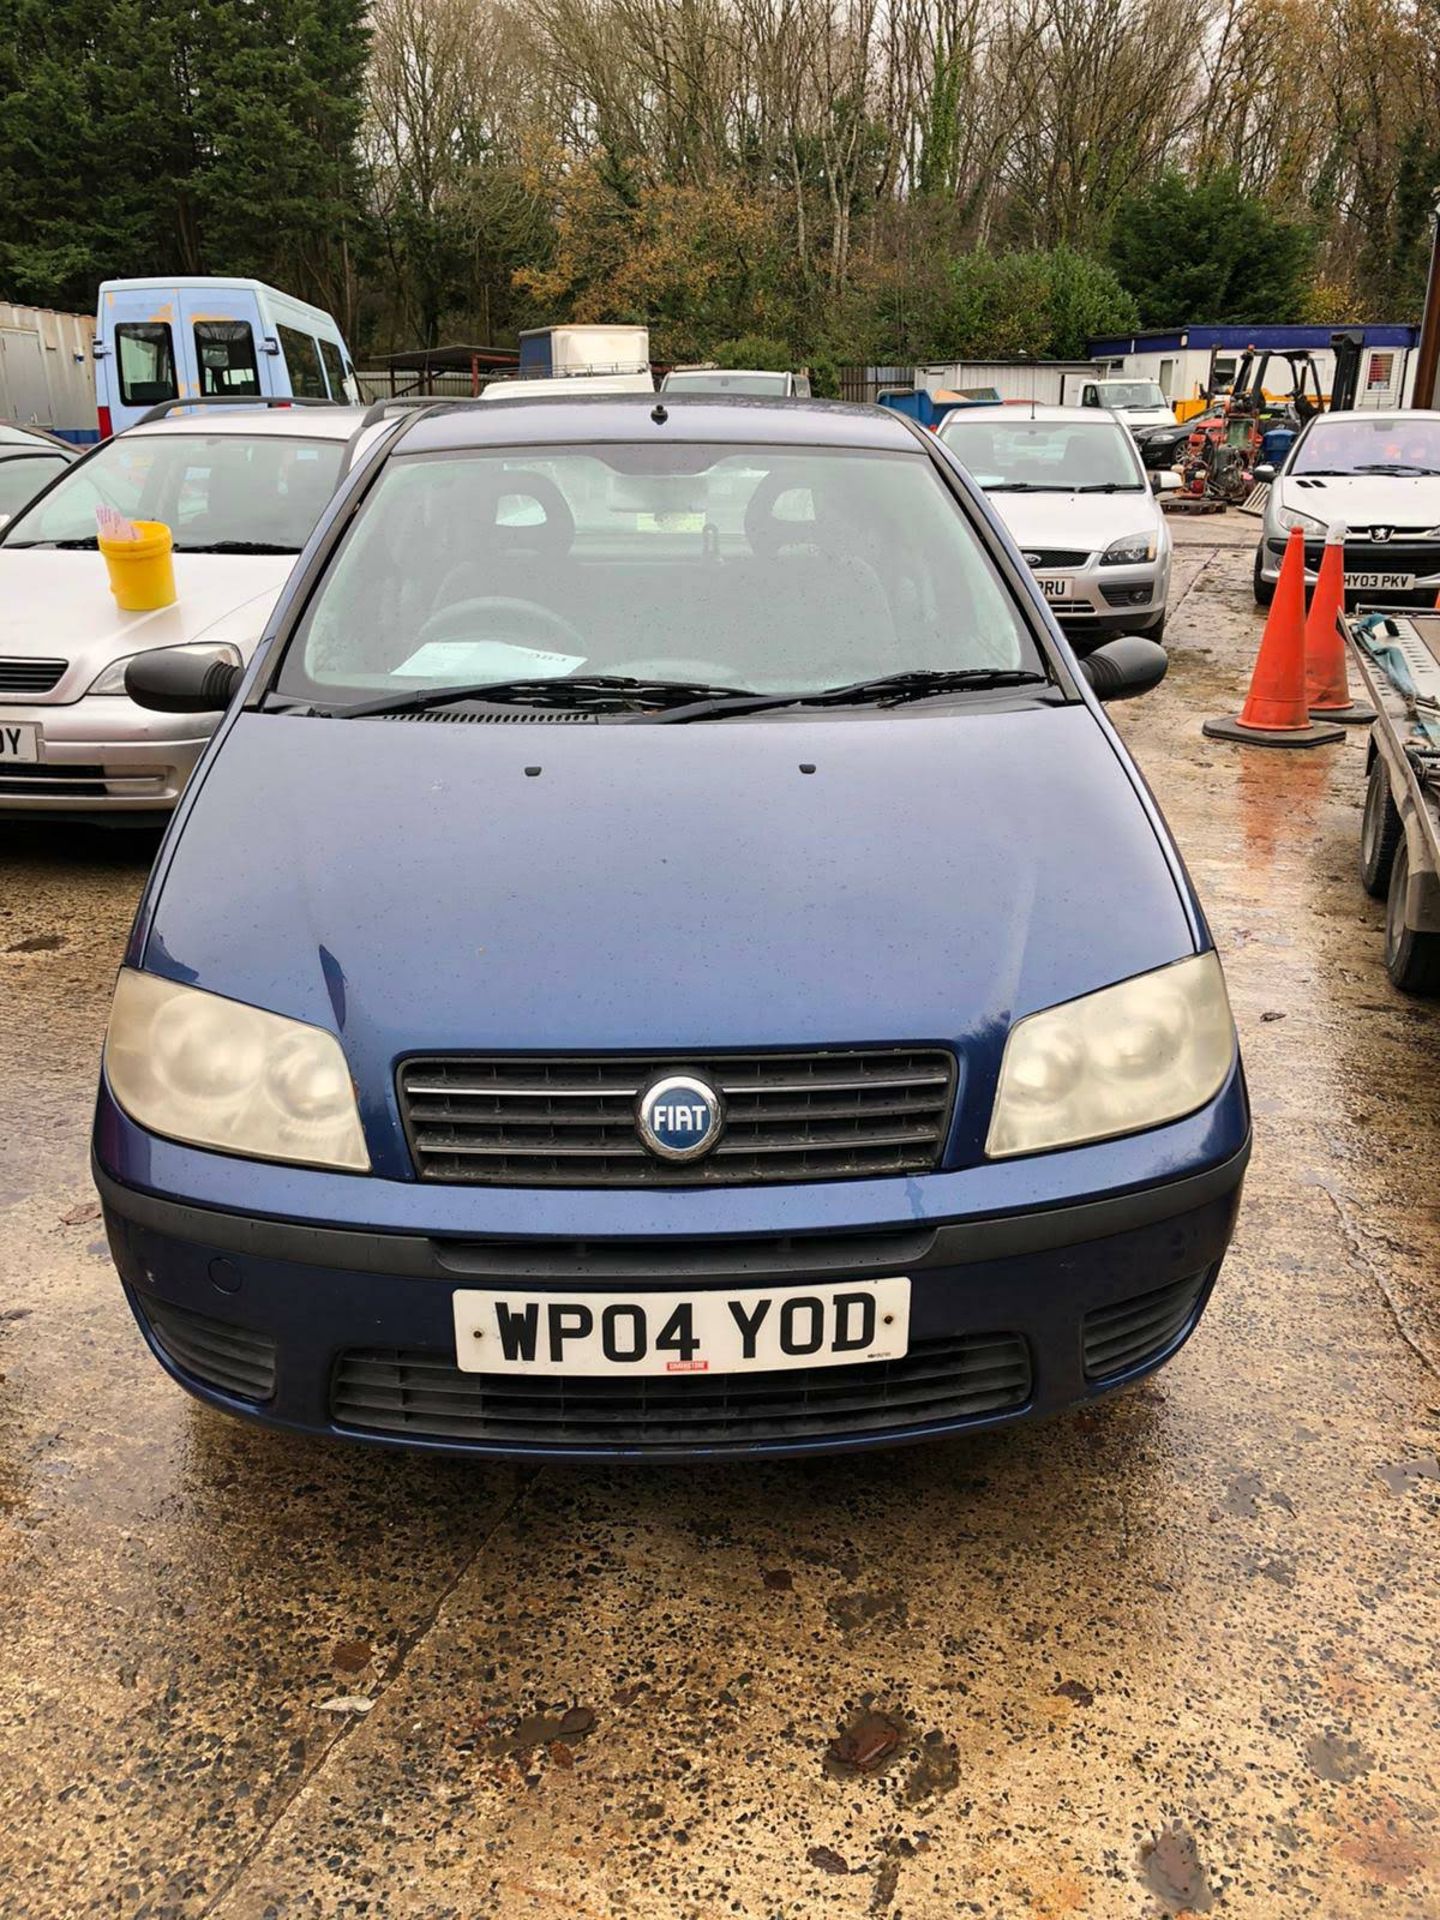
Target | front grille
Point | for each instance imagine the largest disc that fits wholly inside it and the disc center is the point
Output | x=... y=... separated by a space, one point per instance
x=1129 y=1332
x=496 y=716
x=232 y=1358
x=1066 y=609
x=571 y=1122
x=425 y=1396
x=1043 y=557
x=1383 y=556
x=30 y=676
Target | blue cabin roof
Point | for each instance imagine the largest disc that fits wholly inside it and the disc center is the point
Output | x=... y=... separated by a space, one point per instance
x=1204 y=338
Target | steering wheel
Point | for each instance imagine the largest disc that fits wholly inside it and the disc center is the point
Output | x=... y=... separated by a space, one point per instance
x=495 y=617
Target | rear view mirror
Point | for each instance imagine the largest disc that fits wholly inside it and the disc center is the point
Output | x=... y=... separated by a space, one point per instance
x=183 y=679
x=1126 y=667
x=1264 y=471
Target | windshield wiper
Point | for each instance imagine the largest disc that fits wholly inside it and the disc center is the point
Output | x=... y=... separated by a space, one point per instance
x=1024 y=486
x=1399 y=466
x=888 y=690
x=581 y=690
x=85 y=540
x=1110 y=486
x=237 y=546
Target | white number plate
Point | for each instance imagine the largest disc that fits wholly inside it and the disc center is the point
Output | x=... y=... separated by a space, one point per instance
x=19 y=745
x=1053 y=589
x=1387 y=582
x=756 y=1329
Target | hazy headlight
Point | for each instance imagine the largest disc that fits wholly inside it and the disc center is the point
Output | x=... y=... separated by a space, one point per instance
x=112 y=679
x=1286 y=518
x=1133 y=551
x=216 y=1073
x=1150 y=1050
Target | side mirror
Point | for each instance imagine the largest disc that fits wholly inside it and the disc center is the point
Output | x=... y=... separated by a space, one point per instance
x=1264 y=471
x=1125 y=668
x=1165 y=481
x=183 y=679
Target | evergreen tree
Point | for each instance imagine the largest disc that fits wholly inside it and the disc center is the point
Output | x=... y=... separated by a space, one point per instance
x=1204 y=252
x=179 y=136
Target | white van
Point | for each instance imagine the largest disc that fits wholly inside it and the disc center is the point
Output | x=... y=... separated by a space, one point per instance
x=1139 y=402
x=211 y=338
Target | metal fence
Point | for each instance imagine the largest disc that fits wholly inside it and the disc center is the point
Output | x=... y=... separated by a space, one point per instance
x=864 y=383
x=384 y=383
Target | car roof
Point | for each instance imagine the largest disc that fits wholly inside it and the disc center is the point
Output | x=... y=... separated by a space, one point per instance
x=309 y=423
x=728 y=373
x=1025 y=410
x=15 y=436
x=726 y=419
x=1382 y=416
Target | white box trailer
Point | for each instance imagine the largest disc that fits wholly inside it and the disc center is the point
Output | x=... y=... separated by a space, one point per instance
x=47 y=371
x=548 y=353
x=1192 y=363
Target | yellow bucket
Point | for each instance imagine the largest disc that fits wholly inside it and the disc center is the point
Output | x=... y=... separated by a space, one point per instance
x=142 y=577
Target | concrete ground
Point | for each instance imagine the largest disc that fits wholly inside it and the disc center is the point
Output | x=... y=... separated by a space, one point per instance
x=1176 y=1654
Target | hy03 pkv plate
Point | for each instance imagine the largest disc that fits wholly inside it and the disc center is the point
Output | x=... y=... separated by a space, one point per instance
x=756 y=1329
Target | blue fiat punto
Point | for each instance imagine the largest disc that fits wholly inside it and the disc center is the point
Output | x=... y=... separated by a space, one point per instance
x=664 y=955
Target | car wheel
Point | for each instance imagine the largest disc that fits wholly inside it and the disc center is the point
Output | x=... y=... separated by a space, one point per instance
x=1412 y=958
x=1380 y=832
x=1264 y=589
x=1155 y=630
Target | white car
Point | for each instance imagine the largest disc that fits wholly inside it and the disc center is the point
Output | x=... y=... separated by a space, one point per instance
x=1069 y=485
x=1379 y=474
x=241 y=488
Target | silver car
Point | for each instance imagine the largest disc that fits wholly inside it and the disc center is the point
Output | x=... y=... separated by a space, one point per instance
x=241 y=489
x=1069 y=485
x=1378 y=474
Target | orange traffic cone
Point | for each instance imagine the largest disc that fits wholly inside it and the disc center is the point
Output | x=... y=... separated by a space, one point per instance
x=1275 y=713
x=1327 y=686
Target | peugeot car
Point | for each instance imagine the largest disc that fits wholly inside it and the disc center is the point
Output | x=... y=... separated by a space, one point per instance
x=1378 y=475
x=664 y=955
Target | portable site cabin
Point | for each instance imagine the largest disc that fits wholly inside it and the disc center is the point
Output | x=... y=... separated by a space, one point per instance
x=1192 y=363
x=1043 y=381
x=207 y=337
x=47 y=374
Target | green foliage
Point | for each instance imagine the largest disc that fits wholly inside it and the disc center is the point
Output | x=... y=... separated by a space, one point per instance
x=1206 y=252
x=1409 y=235
x=755 y=350
x=1032 y=304
x=159 y=136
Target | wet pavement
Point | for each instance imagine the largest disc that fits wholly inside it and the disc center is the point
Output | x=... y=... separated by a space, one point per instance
x=1175 y=1653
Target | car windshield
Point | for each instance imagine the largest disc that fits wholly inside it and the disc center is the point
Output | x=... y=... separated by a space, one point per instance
x=714 y=380
x=234 y=490
x=761 y=568
x=1006 y=454
x=1132 y=393
x=1406 y=443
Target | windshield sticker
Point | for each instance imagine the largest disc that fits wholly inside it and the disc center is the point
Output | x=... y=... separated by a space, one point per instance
x=474 y=660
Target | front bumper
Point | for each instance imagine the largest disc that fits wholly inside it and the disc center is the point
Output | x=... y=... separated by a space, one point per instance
x=100 y=754
x=1362 y=557
x=1095 y=599
x=349 y=1332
